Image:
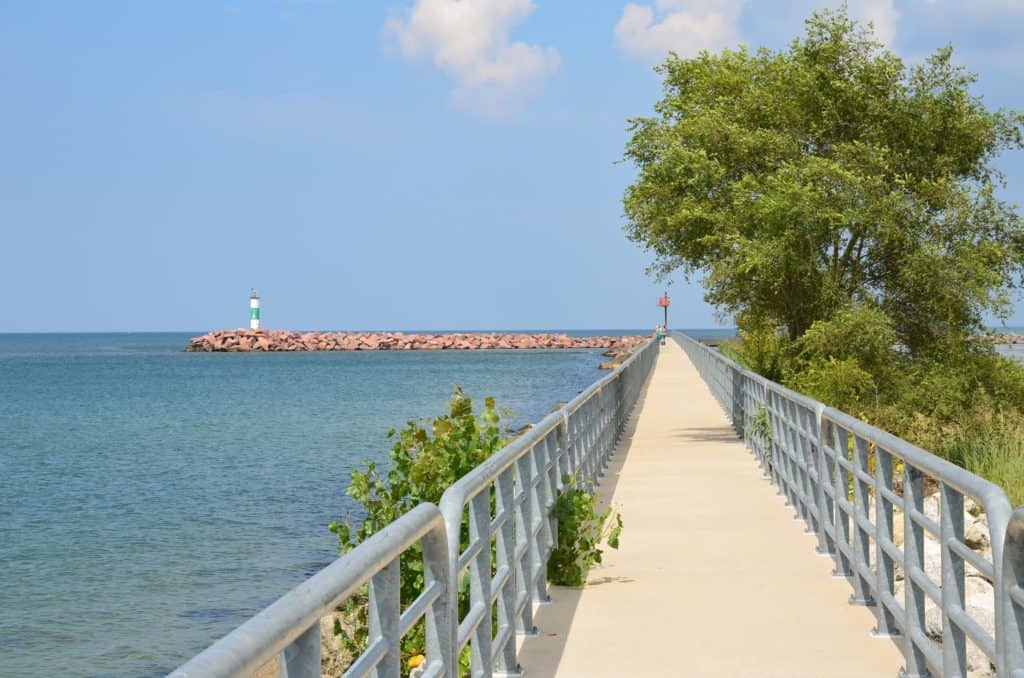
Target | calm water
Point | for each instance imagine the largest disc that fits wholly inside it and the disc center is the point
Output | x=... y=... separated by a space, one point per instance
x=151 y=500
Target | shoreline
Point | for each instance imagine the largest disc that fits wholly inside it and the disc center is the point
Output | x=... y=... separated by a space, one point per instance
x=244 y=341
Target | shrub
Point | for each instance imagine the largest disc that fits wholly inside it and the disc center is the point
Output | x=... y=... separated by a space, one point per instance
x=842 y=384
x=581 y=529
x=761 y=348
x=955 y=397
x=425 y=459
x=862 y=333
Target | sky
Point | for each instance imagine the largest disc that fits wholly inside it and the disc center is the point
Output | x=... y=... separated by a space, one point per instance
x=427 y=164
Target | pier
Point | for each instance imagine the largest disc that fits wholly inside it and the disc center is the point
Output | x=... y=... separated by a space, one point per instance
x=714 y=577
x=765 y=535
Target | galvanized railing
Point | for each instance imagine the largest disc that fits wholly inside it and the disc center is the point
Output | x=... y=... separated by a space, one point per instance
x=524 y=479
x=849 y=481
x=289 y=629
x=505 y=581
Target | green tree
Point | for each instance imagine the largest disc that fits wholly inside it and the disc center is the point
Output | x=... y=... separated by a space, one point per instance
x=826 y=176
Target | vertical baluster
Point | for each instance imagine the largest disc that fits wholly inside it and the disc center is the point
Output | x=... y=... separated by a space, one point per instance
x=586 y=443
x=792 y=470
x=1010 y=614
x=803 y=417
x=913 y=559
x=547 y=466
x=885 y=566
x=789 y=463
x=861 y=537
x=767 y=445
x=505 y=560
x=951 y=526
x=576 y=441
x=821 y=477
x=440 y=618
x=841 y=478
x=621 y=401
x=549 y=489
x=480 y=582
x=796 y=445
x=526 y=565
x=301 y=659
x=564 y=463
x=778 y=436
x=581 y=441
x=384 y=611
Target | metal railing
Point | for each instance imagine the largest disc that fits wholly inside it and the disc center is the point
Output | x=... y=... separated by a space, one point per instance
x=849 y=481
x=505 y=581
x=290 y=627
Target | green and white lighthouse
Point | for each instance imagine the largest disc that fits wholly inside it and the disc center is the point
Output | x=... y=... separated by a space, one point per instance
x=254 y=310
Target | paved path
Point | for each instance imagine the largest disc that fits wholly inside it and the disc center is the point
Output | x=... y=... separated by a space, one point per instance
x=714 y=576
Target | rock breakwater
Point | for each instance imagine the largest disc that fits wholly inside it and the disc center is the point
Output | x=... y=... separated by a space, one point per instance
x=281 y=340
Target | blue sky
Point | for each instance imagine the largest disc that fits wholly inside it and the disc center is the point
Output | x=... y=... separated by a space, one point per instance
x=417 y=165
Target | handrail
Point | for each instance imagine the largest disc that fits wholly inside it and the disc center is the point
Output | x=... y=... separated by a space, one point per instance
x=525 y=477
x=291 y=625
x=846 y=479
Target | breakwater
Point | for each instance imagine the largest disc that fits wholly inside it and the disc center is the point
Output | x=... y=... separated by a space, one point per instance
x=282 y=340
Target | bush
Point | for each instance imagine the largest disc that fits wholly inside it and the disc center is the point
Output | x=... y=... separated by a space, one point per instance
x=956 y=397
x=861 y=334
x=842 y=384
x=581 y=529
x=761 y=348
x=425 y=459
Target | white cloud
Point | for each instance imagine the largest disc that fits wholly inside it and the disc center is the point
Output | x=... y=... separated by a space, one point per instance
x=881 y=13
x=683 y=26
x=469 y=40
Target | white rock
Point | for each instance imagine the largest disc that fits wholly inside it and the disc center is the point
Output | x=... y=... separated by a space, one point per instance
x=978 y=591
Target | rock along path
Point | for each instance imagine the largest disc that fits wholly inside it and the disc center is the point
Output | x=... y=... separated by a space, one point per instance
x=714 y=576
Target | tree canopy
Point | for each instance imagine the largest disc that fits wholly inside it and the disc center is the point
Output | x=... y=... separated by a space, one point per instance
x=801 y=182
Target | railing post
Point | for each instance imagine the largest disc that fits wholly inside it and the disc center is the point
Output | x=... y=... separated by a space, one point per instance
x=841 y=478
x=825 y=522
x=861 y=538
x=802 y=418
x=913 y=560
x=565 y=461
x=301 y=659
x=441 y=617
x=384 y=611
x=480 y=583
x=951 y=528
x=885 y=573
x=547 y=501
x=737 y=400
x=1010 y=600
x=527 y=566
x=505 y=559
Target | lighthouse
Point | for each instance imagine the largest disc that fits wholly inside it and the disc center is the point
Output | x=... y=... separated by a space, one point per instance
x=254 y=310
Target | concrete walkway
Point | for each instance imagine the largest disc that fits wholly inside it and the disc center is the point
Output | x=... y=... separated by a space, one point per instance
x=714 y=576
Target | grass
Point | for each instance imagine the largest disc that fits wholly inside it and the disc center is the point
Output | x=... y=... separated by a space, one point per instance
x=995 y=453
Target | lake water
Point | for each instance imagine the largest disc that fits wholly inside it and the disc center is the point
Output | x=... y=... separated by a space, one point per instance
x=151 y=500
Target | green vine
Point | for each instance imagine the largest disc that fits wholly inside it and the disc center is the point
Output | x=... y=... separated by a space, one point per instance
x=581 y=529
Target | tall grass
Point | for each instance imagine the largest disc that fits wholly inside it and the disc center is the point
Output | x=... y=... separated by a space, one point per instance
x=994 y=452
